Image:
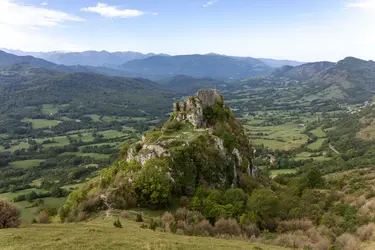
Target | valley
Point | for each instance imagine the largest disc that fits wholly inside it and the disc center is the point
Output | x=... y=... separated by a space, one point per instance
x=72 y=142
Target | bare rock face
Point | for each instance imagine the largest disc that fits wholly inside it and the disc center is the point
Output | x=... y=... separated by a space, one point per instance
x=192 y=109
x=209 y=97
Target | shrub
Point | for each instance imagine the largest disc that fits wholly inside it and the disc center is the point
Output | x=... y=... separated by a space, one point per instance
x=180 y=232
x=292 y=240
x=194 y=217
x=294 y=225
x=366 y=232
x=167 y=218
x=82 y=216
x=320 y=241
x=43 y=218
x=9 y=215
x=139 y=218
x=204 y=228
x=229 y=227
x=250 y=230
x=154 y=224
x=181 y=214
x=117 y=224
x=347 y=242
x=124 y=215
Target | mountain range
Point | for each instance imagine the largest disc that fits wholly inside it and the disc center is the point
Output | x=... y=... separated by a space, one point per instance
x=159 y=67
x=349 y=80
x=111 y=59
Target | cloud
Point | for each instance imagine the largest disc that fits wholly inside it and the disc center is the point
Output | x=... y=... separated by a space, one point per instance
x=44 y=4
x=25 y=16
x=363 y=4
x=112 y=11
x=209 y=3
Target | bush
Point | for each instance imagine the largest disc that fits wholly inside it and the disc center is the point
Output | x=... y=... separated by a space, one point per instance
x=181 y=214
x=82 y=216
x=250 y=230
x=194 y=217
x=43 y=218
x=9 y=215
x=117 y=224
x=229 y=227
x=154 y=224
x=139 y=218
x=204 y=228
x=167 y=218
x=292 y=240
x=180 y=232
x=347 y=242
x=366 y=232
x=294 y=225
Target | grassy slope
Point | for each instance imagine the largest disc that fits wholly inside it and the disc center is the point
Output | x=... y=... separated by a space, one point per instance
x=26 y=163
x=101 y=234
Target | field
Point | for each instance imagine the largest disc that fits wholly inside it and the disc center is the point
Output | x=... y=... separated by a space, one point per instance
x=316 y=144
x=100 y=234
x=26 y=163
x=28 y=212
x=49 y=109
x=19 y=146
x=285 y=136
x=41 y=123
x=306 y=156
x=276 y=172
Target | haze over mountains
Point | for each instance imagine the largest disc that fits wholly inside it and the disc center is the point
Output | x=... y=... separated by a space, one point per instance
x=103 y=58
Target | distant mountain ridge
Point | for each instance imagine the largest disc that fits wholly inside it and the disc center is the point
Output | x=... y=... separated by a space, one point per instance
x=349 y=80
x=111 y=59
x=87 y=58
x=211 y=65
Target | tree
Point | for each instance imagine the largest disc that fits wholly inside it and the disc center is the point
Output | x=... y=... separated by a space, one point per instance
x=315 y=178
x=12 y=188
x=9 y=215
x=263 y=205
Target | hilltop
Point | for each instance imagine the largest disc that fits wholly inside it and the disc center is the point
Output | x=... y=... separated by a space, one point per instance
x=202 y=142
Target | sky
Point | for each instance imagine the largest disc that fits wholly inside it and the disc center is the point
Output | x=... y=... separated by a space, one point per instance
x=304 y=30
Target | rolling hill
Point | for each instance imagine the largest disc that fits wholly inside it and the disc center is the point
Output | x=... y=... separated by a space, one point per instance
x=23 y=85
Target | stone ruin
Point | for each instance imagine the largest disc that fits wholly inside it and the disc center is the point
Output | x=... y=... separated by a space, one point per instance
x=191 y=110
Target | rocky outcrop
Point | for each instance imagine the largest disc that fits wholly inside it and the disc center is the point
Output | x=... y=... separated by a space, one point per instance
x=192 y=110
x=201 y=144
